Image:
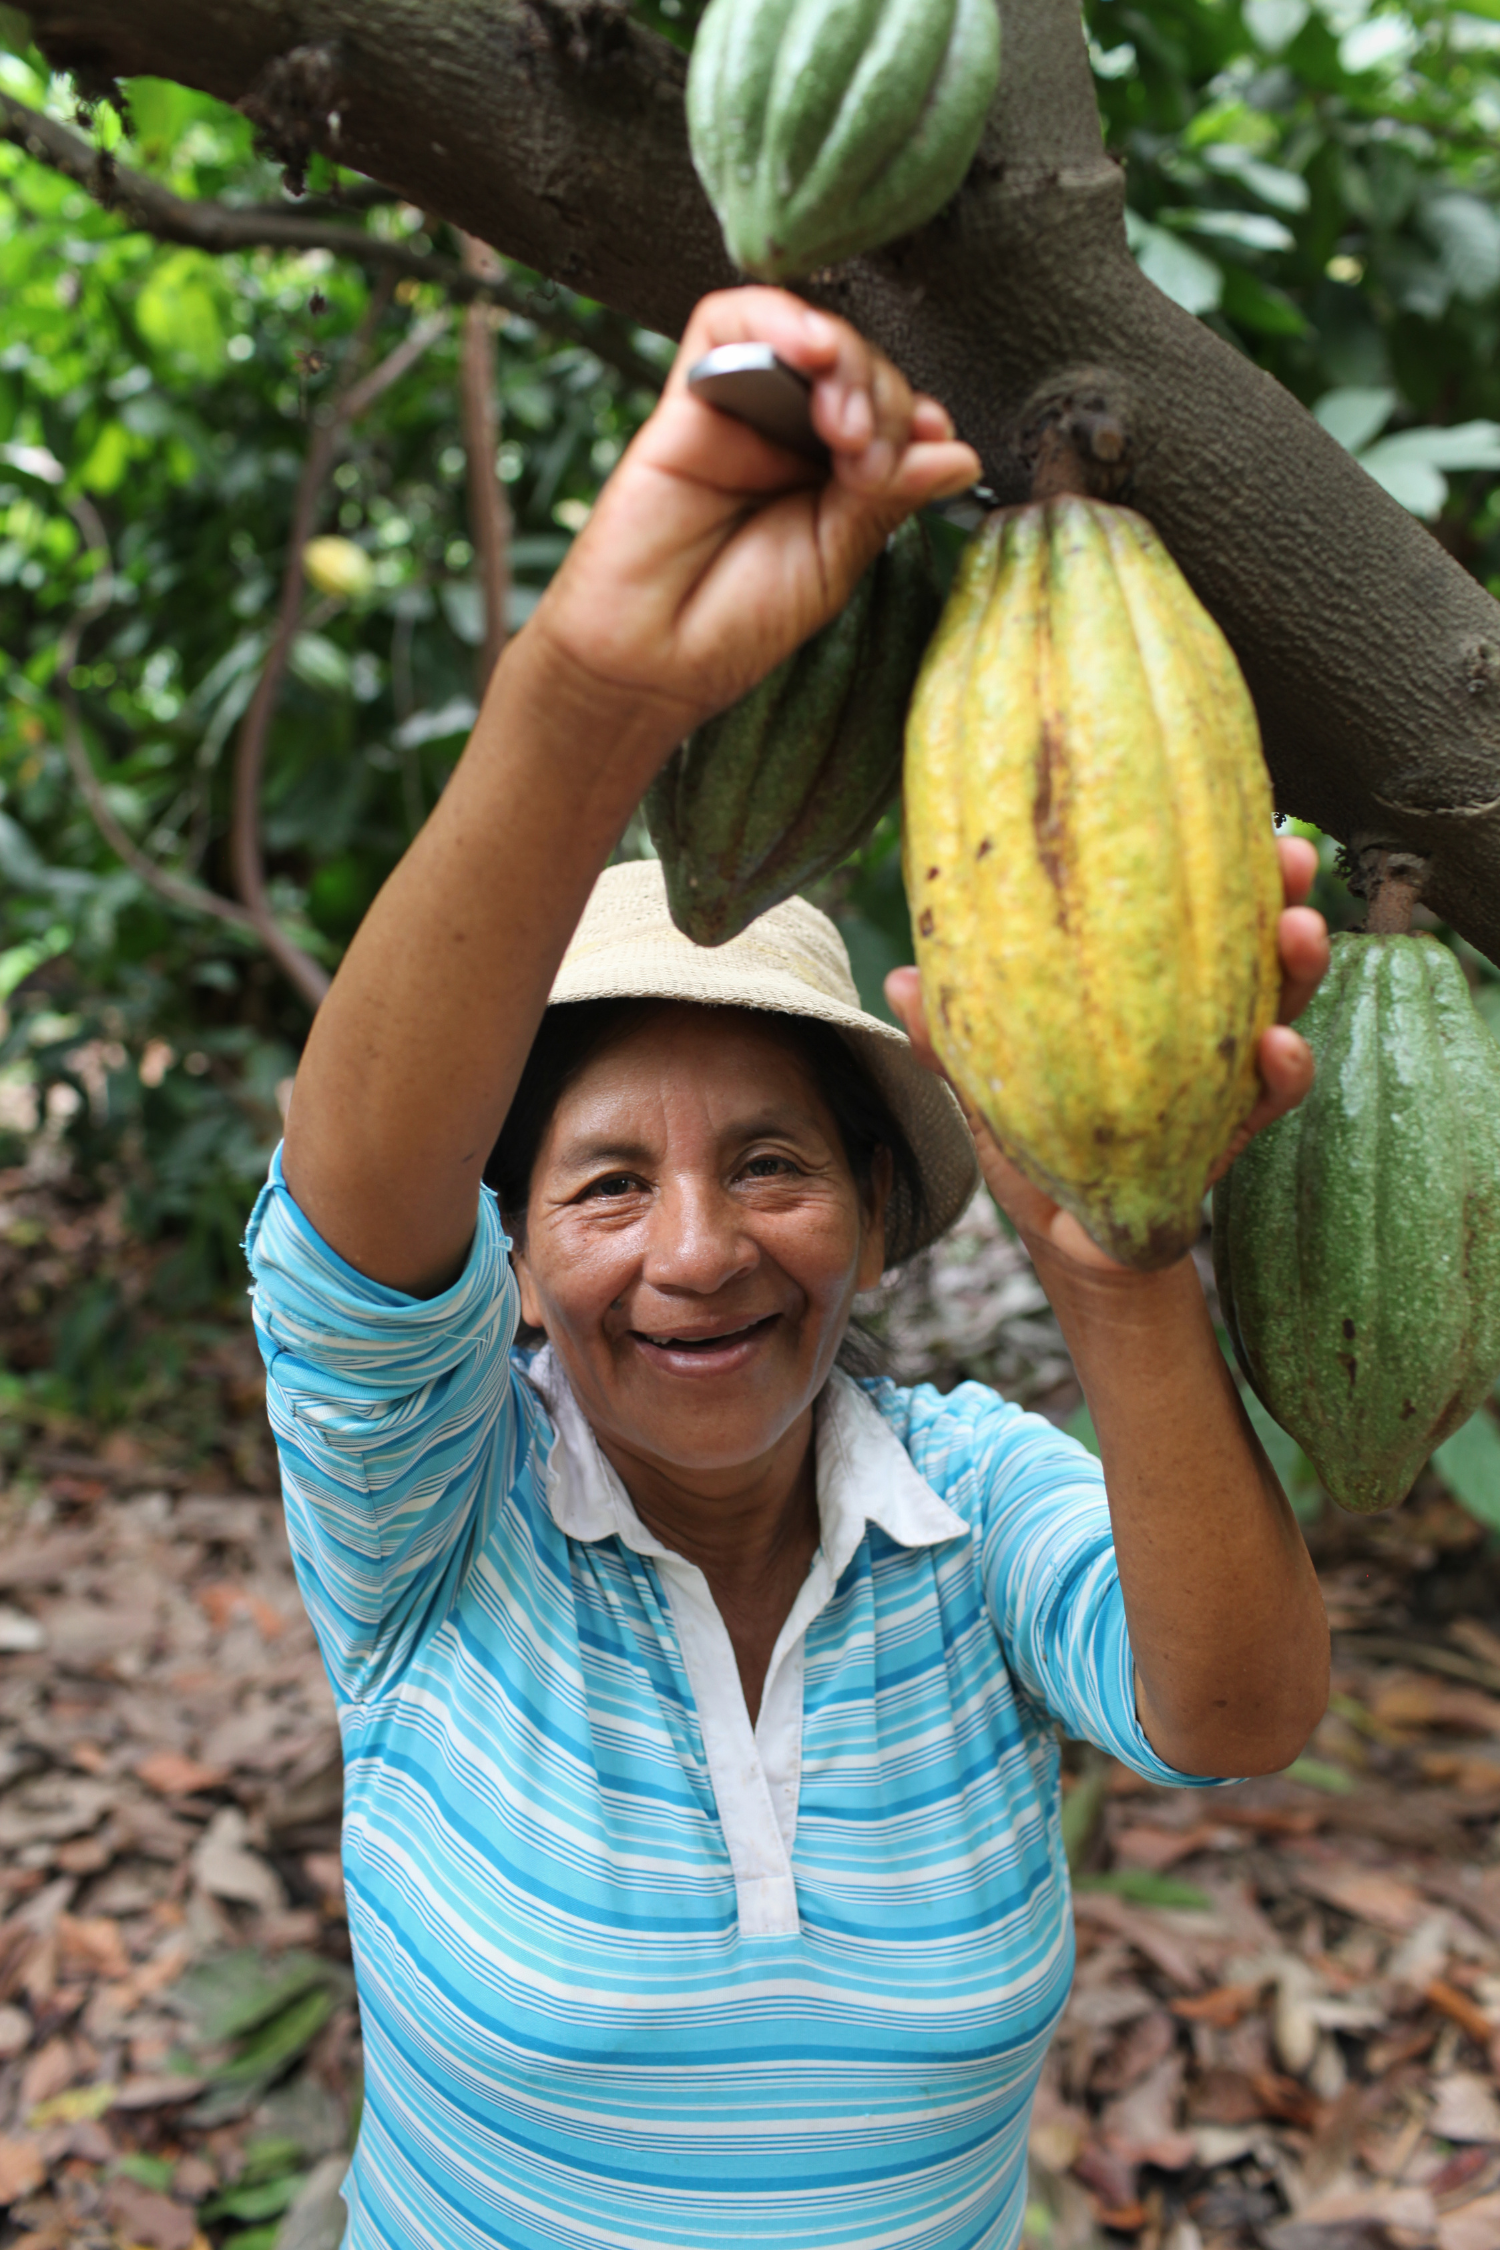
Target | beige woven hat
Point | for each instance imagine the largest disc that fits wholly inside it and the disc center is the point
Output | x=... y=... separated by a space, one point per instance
x=791 y=961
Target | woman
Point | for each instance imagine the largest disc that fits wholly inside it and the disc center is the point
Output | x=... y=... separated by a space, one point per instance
x=701 y=1822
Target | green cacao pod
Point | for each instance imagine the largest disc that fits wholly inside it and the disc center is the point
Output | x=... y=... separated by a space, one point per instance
x=781 y=787
x=1357 y=1240
x=1091 y=868
x=823 y=128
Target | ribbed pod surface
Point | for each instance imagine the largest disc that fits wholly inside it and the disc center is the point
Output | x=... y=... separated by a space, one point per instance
x=1091 y=867
x=776 y=791
x=823 y=128
x=1357 y=1241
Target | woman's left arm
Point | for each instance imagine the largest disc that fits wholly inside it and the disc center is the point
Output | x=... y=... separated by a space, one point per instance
x=1225 y=1617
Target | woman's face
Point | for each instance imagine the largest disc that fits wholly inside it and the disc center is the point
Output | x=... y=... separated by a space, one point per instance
x=695 y=1240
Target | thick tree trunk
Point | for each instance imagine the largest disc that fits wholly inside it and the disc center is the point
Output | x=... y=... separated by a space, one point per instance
x=554 y=129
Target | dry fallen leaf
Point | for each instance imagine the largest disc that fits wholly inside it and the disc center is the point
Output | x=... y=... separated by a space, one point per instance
x=1465 y=2108
x=225 y=1866
x=171 y=1774
x=1473 y=2226
x=21 y=2170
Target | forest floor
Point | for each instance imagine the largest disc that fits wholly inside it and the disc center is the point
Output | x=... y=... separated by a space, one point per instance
x=1285 y=2028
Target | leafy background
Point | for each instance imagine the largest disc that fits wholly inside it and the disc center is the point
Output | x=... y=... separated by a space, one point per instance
x=1318 y=182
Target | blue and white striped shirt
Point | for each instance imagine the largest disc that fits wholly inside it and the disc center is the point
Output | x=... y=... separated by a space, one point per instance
x=634 y=1975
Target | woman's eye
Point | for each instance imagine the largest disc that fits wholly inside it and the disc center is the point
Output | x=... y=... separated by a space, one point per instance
x=617 y=1184
x=768 y=1167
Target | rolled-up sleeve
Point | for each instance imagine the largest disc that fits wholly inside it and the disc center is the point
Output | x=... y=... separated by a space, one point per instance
x=388 y=1412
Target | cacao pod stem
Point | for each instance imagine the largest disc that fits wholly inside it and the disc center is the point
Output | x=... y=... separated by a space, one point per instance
x=1391 y=882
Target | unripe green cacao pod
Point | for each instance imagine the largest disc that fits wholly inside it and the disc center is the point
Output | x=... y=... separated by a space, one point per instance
x=337 y=566
x=823 y=128
x=1357 y=1240
x=780 y=788
x=1091 y=868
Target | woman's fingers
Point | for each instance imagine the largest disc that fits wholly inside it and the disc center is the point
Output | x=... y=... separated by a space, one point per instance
x=1302 y=941
x=1299 y=866
x=1286 y=1073
x=862 y=408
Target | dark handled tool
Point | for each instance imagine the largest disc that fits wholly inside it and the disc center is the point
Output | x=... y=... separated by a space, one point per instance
x=750 y=382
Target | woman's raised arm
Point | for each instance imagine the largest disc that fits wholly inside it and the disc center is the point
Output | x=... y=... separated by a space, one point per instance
x=711 y=555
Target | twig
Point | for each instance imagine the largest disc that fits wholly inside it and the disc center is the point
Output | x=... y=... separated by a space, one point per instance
x=246 y=859
x=178 y=892
x=489 y=511
x=219 y=227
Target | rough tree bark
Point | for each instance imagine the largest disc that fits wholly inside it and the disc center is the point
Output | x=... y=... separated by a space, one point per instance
x=554 y=129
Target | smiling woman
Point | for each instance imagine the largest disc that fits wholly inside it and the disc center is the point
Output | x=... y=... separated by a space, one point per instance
x=700 y=1702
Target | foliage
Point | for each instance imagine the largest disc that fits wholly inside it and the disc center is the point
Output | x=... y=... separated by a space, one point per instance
x=175 y=392
x=1316 y=179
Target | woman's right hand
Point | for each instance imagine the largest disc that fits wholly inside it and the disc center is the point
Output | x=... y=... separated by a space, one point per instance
x=713 y=553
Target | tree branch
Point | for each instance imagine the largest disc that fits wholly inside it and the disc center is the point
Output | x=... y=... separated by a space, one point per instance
x=489 y=510
x=220 y=227
x=348 y=403
x=177 y=891
x=554 y=128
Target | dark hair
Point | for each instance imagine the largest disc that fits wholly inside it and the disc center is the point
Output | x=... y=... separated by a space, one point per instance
x=571 y=1035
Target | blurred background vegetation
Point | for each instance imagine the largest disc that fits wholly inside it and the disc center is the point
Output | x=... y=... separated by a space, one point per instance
x=1315 y=179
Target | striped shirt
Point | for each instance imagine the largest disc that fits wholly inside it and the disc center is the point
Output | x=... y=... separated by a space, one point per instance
x=633 y=1973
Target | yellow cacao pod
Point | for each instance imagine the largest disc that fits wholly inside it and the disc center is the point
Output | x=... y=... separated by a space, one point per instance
x=338 y=567
x=1091 y=868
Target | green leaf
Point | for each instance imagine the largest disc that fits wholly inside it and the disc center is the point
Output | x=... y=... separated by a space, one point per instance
x=1142 y=1887
x=257 y=2201
x=1179 y=271
x=1251 y=229
x=1455 y=445
x=229 y=1994
x=1254 y=303
x=1417 y=485
x=1353 y=415
x=1317 y=1773
x=177 y=311
x=1379 y=43
x=154 y=2172
x=1284 y=191
x=321 y=663
x=1466 y=234
x=1274 y=24
x=15 y=30
x=1469 y=1465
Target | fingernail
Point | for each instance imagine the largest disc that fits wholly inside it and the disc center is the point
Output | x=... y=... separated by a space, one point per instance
x=819 y=330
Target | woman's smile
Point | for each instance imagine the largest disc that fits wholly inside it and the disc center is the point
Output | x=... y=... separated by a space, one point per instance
x=722 y=1349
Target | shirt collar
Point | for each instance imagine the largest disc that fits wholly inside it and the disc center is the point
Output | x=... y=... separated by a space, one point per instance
x=864 y=1475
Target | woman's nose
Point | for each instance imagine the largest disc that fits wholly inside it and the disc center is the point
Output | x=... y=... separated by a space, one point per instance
x=697 y=1238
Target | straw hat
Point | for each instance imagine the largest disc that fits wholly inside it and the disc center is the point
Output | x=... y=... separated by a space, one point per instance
x=791 y=961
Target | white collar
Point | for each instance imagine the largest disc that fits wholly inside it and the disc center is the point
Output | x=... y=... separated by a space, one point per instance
x=864 y=1475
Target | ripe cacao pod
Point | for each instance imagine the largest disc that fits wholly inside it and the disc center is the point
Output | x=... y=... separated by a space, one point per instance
x=1091 y=868
x=781 y=787
x=823 y=128
x=1357 y=1240
x=337 y=566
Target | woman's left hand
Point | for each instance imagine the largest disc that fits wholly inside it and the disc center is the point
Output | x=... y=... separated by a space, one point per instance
x=1286 y=1069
